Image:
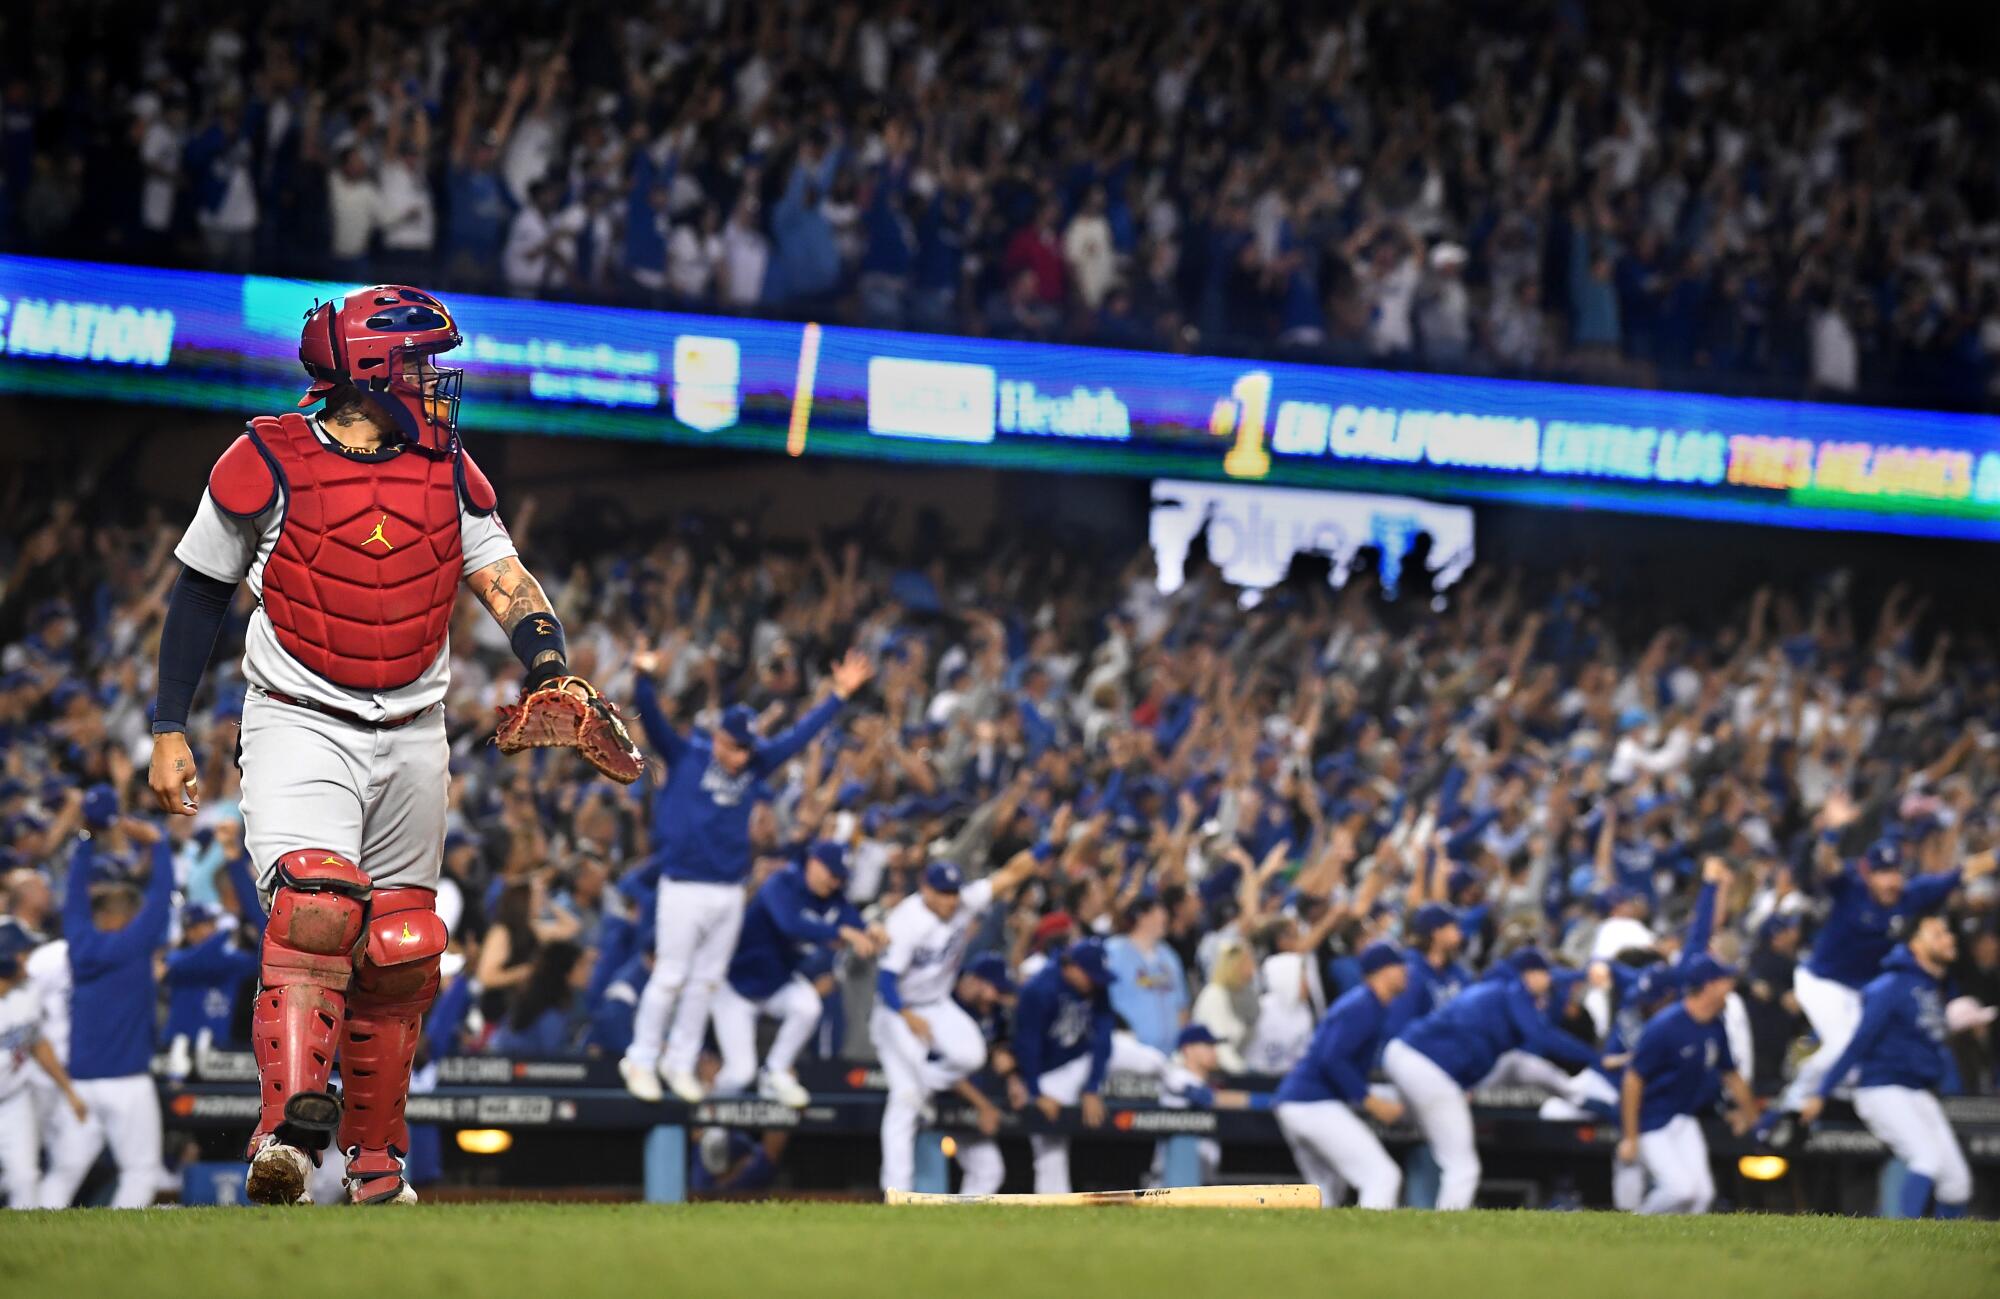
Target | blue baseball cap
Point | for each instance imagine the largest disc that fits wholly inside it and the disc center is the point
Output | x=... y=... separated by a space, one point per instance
x=1431 y=917
x=1194 y=1035
x=198 y=913
x=1655 y=983
x=1379 y=956
x=944 y=877
x=100 y=805
x=1527 y=959
x=1704 y=969
x=832 y=856
x=992 y=967
x=1883 y=855
x=15 y=940
x=738 y=721
x=1088 y=955
x=1777 y=922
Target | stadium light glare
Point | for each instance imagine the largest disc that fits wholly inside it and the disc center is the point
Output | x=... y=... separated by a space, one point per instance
x=485 y=1141
x=1763 y=1168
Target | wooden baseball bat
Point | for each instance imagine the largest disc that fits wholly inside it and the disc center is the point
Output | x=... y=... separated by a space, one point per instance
x=1165 y=1197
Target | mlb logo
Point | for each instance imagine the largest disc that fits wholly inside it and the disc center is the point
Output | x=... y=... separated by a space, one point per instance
x=706 y=371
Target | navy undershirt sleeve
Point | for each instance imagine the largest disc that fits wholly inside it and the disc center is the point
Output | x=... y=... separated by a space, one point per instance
x=194 y=619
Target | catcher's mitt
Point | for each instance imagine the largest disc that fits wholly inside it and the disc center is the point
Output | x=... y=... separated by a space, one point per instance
x=568 y=713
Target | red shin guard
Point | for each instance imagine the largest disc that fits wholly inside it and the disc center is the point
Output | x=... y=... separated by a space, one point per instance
x=395 y=982
x=306 y=965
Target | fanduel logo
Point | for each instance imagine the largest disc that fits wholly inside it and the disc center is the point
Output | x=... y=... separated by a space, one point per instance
x=1081 y=414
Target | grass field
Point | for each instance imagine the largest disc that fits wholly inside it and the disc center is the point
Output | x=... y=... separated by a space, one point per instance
x=835 y=1251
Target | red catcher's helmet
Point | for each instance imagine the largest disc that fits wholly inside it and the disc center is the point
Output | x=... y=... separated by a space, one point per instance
x=380 y=341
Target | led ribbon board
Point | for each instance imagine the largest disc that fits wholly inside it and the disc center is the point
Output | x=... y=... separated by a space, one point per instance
x=229 y=343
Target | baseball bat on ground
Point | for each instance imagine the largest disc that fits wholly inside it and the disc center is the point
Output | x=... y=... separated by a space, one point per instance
x=1165 y=1197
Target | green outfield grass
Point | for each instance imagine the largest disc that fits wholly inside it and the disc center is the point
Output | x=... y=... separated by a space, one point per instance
x=835 y=1251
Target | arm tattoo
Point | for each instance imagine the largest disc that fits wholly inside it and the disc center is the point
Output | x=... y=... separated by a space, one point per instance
x=509 y=592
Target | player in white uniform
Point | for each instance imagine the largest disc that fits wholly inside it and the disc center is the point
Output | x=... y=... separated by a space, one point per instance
x=47 y=969
x=354 y=530
x=925 y=1041
x=21 y=1041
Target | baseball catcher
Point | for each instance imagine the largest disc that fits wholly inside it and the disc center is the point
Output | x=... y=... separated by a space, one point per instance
x=354 y=527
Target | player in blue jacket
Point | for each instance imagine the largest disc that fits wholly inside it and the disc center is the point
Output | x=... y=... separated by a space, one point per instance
x=1062 y=1041
x=1636 y=993
x=703 y=818
x=1435 y=975
x=1439 y=1057
x=1318 y=1101
x=112 y=935
x=1680 y=1057
x=1872 y=906
x=1902 y=1064
x=797 y=909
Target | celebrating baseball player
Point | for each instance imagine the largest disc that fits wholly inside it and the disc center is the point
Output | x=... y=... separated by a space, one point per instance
x=703 y=815
x=21 y=1041
x=354 y=528
x=925 y=1041
x=1450 y=1050
x=112 y=934
x=1317 y=1101
x=1898 y=1052
x=797 y=909
x=1679 y=1059
x=1872 y=904
x=1062 y=1036
x=1435 y=975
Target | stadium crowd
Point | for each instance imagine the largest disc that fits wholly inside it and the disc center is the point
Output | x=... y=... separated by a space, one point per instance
x=1241 y=800
x=1617 y=192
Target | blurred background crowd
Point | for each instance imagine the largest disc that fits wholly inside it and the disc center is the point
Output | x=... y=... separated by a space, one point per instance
x=1701 y=195
x=1243 y=792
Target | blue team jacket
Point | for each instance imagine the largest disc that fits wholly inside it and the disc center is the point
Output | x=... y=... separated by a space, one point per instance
x=1859 y=932
x=1900 y=1041
x=1681 y=1061
x=1468 y=1037
x=1054 y=1024
x=783 y=920
x=1335 y=1066
x=703 y=813
x=111 y=1009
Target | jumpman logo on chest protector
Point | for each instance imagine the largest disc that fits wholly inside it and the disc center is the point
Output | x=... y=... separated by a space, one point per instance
x=379 y=535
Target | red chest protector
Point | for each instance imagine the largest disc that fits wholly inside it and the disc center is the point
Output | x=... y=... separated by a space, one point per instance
x=359 y=587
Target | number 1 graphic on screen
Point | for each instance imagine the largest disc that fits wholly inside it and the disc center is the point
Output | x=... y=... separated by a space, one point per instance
x=1242 y=413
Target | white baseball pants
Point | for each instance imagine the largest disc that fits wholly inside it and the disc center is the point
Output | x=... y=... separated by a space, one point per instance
x=376 y=797
x=795 y=1006
x=1834 y=1011
x=1628 y=1181
x=694 y=935
x=1335 y=1148
x=1676 y=1158
x=914 y=1070
x=1444 y=1115
x=20 y=1150
x=1912 y=1123
x=125 y=1113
